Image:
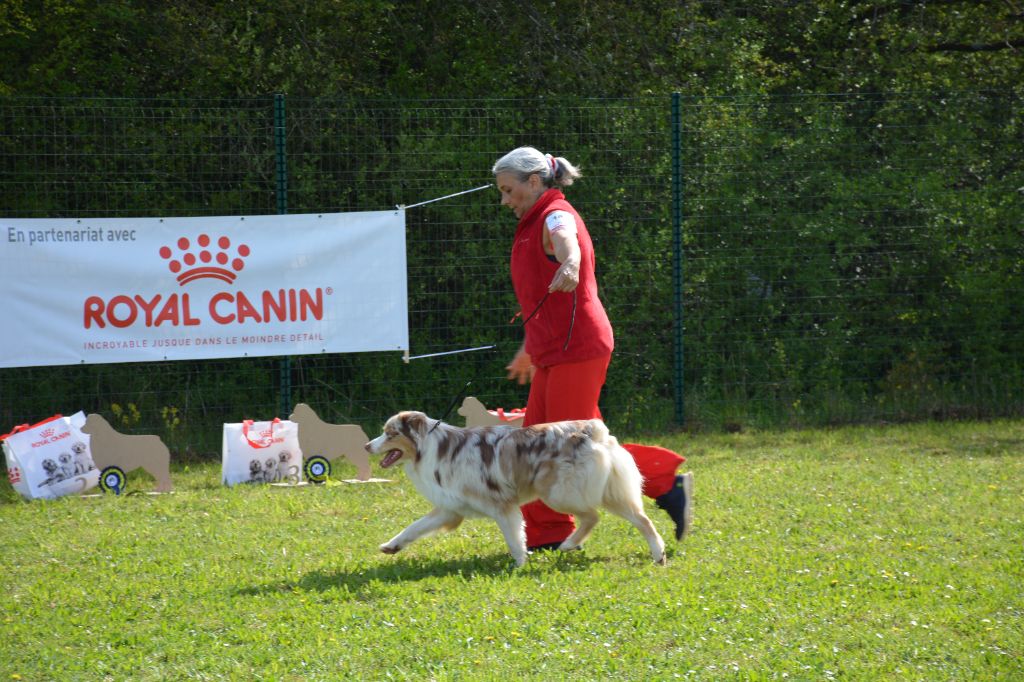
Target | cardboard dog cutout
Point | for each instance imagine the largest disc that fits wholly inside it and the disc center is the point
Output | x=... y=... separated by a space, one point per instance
x=318 y=438
x=478 y=415
x=128 y=452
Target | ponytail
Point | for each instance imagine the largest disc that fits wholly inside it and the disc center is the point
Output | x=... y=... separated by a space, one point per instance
x=525 y=161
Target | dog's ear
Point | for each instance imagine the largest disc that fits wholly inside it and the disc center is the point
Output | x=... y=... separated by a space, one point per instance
x=414 y=425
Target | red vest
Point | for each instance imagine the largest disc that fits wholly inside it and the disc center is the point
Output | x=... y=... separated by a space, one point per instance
x=532 y=272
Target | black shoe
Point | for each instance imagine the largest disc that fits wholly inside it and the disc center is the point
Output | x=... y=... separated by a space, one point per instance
x=678 y=502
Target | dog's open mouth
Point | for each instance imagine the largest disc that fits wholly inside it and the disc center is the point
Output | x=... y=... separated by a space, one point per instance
x=390 y=458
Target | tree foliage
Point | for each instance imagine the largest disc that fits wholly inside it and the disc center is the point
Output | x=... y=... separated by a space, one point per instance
x=505 y=48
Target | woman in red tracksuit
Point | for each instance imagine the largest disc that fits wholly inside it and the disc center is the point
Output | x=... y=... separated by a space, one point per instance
x=569 y=339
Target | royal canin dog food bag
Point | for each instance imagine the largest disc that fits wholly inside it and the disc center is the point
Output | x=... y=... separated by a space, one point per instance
x=50 y=459
x=261 y=452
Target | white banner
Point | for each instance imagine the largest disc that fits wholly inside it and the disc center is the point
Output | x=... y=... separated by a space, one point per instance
x=143 y=289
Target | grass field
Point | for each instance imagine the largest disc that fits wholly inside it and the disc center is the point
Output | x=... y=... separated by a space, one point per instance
x=891 y=552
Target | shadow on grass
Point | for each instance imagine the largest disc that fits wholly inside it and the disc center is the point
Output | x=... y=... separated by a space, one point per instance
x=413 y=569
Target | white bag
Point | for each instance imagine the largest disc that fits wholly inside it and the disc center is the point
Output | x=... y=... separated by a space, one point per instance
x=261 y=452
x=50 y=459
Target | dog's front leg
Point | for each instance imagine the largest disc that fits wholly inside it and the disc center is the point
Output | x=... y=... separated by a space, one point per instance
x=437 y=519
x=511 y=524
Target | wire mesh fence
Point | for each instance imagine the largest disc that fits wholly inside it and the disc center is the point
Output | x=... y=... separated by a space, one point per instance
x=854 y=257
x=842 y=258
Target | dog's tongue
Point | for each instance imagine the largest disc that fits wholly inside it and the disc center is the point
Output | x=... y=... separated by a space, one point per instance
x=390 y=458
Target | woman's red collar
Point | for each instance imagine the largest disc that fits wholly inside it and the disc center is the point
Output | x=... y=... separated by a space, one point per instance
x=543 y=201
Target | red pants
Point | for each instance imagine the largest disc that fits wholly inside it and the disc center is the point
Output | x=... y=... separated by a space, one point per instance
x=570 y=391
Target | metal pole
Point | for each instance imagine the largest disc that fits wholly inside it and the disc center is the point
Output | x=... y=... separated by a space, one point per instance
x=677 y=252
x=281 y=157
x=447 y=196
x=281 y=174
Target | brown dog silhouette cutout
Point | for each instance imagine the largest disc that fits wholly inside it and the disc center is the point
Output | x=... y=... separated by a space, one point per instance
x=478 y=415
x=128 y=452
x=317 y=437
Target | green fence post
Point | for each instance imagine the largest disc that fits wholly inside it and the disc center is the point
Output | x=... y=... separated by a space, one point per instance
x=677 y=251
x=281 y=174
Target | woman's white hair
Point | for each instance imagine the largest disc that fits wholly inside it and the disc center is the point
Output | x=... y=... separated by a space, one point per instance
x=525 y=161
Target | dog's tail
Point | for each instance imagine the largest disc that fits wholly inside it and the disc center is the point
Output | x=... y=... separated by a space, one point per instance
x=596 y=430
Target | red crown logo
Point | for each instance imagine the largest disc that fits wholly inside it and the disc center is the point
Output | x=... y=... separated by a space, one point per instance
x=205 y=260
x=265 y=438
x=46 y=433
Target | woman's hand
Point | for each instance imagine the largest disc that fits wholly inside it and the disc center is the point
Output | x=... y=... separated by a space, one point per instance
x=521 y=368
x=566 y=278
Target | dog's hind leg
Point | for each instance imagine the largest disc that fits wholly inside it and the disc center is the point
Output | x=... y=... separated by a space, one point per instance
x=511 y=523
x=437 y=519
x=634 y=513
x=585 y=522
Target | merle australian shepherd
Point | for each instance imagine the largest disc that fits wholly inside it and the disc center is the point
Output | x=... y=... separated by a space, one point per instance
x=573 y=466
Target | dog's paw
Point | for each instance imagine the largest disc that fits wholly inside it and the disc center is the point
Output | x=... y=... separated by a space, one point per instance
x=389 y=549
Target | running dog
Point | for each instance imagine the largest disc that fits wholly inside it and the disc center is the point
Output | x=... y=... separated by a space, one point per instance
x=574 y=467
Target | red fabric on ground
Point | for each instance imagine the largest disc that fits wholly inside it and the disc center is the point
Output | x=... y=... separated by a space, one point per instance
x=657 y=465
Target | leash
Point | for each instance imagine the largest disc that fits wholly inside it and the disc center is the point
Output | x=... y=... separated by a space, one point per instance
x=572 y=319
x=451 y=406
x=462 y=392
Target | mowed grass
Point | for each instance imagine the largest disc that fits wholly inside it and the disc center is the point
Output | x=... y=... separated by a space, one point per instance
x=891 y=552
